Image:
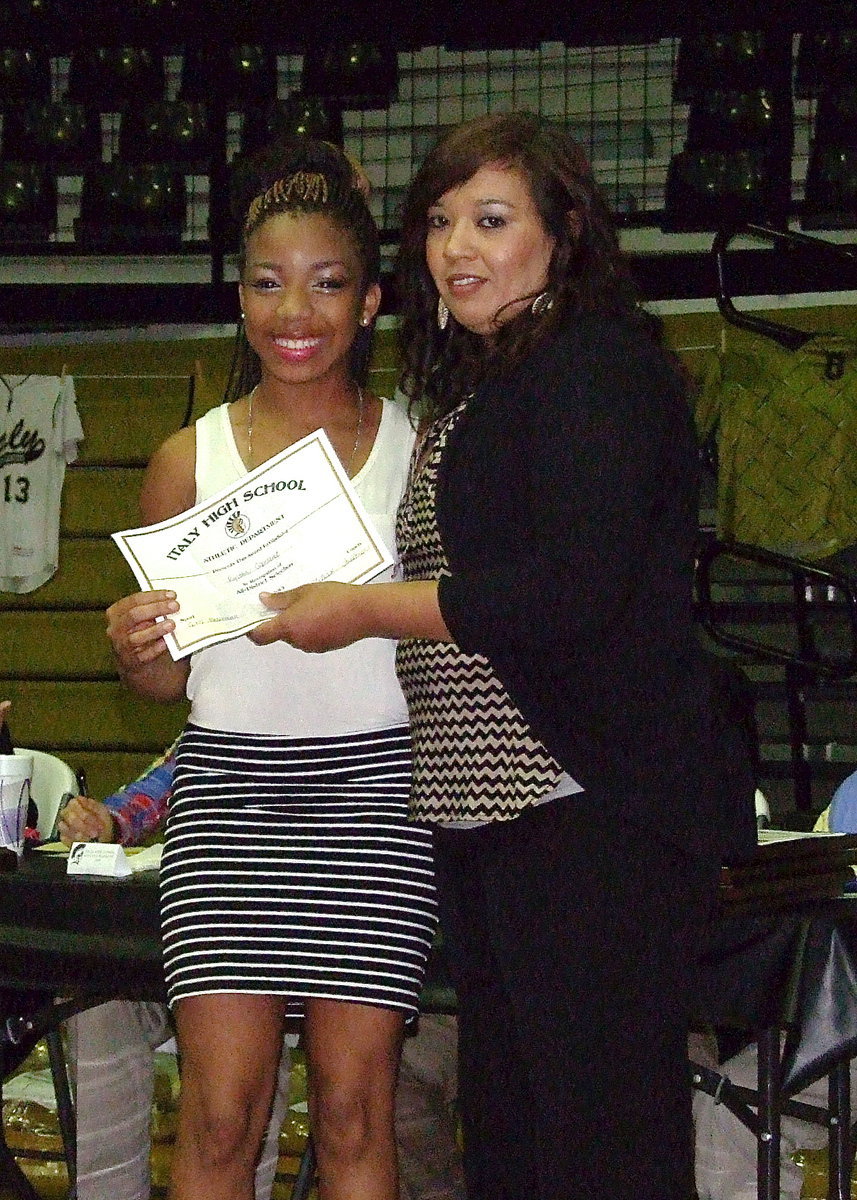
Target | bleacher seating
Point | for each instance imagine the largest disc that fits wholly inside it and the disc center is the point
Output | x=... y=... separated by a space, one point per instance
x=241 y=74
x=310 y=116
x=169 y=131
x=51 y=132
x=831 y=180
x=28 y=204
x=115 y=76
x=132 y=206
x=25 y=74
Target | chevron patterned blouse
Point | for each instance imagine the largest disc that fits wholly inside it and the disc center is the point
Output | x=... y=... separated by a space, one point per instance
x=475 y=758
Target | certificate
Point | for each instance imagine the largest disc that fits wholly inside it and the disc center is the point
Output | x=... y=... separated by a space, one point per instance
x=296 y=519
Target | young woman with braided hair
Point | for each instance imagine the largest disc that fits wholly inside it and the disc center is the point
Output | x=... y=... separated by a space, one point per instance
x=292 y=881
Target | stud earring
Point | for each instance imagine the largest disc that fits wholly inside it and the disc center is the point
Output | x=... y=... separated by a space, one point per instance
x=542 y=304
x=442 y=314
x=364 y=321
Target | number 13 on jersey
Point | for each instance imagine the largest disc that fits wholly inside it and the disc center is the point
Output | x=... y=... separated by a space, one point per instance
x=16 y=489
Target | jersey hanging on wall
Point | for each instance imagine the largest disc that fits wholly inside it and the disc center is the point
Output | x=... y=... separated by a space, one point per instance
x=39 y=432
x=786 y=427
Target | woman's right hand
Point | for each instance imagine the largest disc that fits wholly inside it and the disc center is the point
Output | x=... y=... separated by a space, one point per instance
x=135 y=630
x=86 y=820
x=137 y=634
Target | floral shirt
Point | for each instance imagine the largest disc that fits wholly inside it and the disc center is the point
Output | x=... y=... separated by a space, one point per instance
x=140 y=807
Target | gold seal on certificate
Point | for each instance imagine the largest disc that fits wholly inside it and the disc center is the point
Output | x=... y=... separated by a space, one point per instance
x=296 y=519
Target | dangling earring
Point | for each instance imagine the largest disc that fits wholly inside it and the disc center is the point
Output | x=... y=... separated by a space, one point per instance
x=442 y=314
x=542 y=304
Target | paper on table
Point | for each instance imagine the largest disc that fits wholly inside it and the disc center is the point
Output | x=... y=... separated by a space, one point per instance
x=296 y=519
x=145 y=858
x=139 y=858
x=767 y=836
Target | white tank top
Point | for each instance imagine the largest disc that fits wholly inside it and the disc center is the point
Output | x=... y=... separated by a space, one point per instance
x=276 y=689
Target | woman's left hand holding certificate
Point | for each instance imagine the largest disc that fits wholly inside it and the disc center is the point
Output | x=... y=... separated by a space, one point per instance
x=295 y=519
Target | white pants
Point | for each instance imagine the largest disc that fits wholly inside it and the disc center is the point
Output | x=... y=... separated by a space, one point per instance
x=112 y=1060
x=726 y=1150
x=430 y=1166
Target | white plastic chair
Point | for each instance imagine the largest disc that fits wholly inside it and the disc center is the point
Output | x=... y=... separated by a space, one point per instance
x=53 y=780
x=763 y=810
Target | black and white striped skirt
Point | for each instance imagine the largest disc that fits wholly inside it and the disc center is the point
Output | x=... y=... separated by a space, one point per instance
x=290 y=868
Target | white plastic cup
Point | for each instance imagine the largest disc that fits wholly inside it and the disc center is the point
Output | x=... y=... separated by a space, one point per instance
x=16 y=776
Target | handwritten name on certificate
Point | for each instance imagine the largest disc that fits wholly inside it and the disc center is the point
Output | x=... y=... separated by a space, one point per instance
x=296 y=519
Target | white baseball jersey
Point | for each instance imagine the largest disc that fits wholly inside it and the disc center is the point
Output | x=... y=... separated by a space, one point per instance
x=39 y=432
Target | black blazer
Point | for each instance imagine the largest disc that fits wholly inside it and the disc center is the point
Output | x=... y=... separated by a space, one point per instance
x=567 y=506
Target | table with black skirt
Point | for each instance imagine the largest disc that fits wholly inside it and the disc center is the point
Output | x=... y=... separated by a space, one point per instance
x=68 y=942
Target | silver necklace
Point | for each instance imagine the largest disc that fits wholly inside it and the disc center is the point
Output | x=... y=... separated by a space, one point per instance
x=348 y=465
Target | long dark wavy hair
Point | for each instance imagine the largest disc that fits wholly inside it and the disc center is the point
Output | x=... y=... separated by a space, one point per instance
x=587 y=272
x=266 y=189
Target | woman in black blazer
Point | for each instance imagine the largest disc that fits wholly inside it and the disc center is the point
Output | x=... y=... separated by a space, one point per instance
x=570 y=748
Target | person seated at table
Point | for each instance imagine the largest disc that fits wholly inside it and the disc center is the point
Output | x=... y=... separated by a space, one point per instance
x=113 y=1047
x=726 y=1151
